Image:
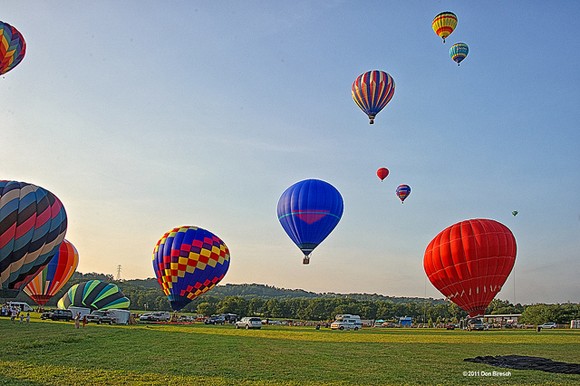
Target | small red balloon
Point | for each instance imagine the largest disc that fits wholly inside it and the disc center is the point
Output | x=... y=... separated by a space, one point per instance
x=382 y=173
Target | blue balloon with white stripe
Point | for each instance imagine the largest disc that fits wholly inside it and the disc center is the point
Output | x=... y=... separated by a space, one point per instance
x=309 y=211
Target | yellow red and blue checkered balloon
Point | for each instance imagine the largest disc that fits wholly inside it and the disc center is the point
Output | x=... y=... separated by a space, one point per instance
x=12 y=47
x=189 y=261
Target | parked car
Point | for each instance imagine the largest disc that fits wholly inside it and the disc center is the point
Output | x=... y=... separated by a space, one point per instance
x=160 y=316
x=475 y=325
x=548 y=325
x=65 y=315
x=215 y=319
x=100 y=317
x=249 y=322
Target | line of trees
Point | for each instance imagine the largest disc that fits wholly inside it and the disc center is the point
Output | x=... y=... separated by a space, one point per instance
x=272 y=302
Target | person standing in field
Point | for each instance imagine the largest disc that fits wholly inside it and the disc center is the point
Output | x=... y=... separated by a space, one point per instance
x=28 y=317
x=78 y=320
x=84 y=321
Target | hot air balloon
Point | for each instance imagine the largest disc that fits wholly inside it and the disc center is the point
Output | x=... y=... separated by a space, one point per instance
x=372 y=91
x=458 y=52
x=32 y=226
x=308 y=211
x=403 y=192
x=515 y=213
x=189 y=261
x=382 y=173
x=469 y=262
x=443 y=24
x=12 y=47
x=55 y=275
x=94 y=294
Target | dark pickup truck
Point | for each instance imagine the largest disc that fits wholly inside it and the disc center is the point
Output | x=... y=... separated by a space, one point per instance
x=66 y=315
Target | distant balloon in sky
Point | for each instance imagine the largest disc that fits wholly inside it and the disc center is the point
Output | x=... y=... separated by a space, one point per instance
x=55 y=275
x=444 y=23
x=308 y=211
x=32 y=226
x=469 y=262
x=94 y=294
x=189 y=261
x=372 y=91
x=515 y=213
x=458 y=52
x=12 y=47
x=382 y=173
x=403 y=192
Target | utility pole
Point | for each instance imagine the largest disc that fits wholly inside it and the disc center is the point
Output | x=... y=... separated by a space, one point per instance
x=118 y=272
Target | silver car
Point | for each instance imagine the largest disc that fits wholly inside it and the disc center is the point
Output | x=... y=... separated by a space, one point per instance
x=249 y=322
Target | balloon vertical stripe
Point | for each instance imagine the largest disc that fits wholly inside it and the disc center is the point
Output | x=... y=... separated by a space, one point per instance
x=55 y=275
x=372 y=91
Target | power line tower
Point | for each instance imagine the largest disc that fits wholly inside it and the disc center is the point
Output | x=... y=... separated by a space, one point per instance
x=118 y=272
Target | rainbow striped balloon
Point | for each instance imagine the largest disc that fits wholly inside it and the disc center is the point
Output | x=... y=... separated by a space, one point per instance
x=443 y=24
x=55 y=275
x=372 y=91
x=458 y=52
x=12 y=47
x=33 y=224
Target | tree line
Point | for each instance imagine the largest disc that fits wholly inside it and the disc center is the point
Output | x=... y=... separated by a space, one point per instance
x=271 y=302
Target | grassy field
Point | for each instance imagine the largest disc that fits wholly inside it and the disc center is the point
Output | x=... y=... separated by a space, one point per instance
x=54 y=353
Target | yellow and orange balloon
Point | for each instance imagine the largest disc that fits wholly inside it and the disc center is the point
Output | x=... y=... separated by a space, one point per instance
x=444 y=23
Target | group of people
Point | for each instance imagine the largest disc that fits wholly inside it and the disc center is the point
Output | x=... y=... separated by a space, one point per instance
x=15 y=313
x=79 y=319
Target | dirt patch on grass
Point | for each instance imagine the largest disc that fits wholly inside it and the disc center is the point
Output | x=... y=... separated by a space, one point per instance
x=520 y=362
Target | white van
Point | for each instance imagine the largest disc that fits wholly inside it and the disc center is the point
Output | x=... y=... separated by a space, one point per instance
x=24 y=307
x=346 y=322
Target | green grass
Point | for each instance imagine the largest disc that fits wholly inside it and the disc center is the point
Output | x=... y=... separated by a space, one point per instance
x=54 y=353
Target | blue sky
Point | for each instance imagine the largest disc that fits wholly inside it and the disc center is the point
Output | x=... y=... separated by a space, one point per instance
x=143 y=116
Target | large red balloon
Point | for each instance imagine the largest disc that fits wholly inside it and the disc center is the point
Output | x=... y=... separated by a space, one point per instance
x=469 y=262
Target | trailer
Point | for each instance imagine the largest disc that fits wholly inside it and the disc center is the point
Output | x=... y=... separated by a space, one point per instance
x=121 y=316
x=79 y=310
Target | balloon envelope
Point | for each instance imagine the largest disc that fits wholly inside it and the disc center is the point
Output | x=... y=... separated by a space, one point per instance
x=94 y=294
x=443 y=24
x=515 y=213
x=12 y=47
x=458 y=52
x=55 y=275
x=308 y=211
x=189 y=261
x=382 y=173
x=469 y=262
x=32 y=226
x=372 y=91
x=403 y=192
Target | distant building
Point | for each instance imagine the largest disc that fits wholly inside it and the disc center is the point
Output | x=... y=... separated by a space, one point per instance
x=405 y=321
